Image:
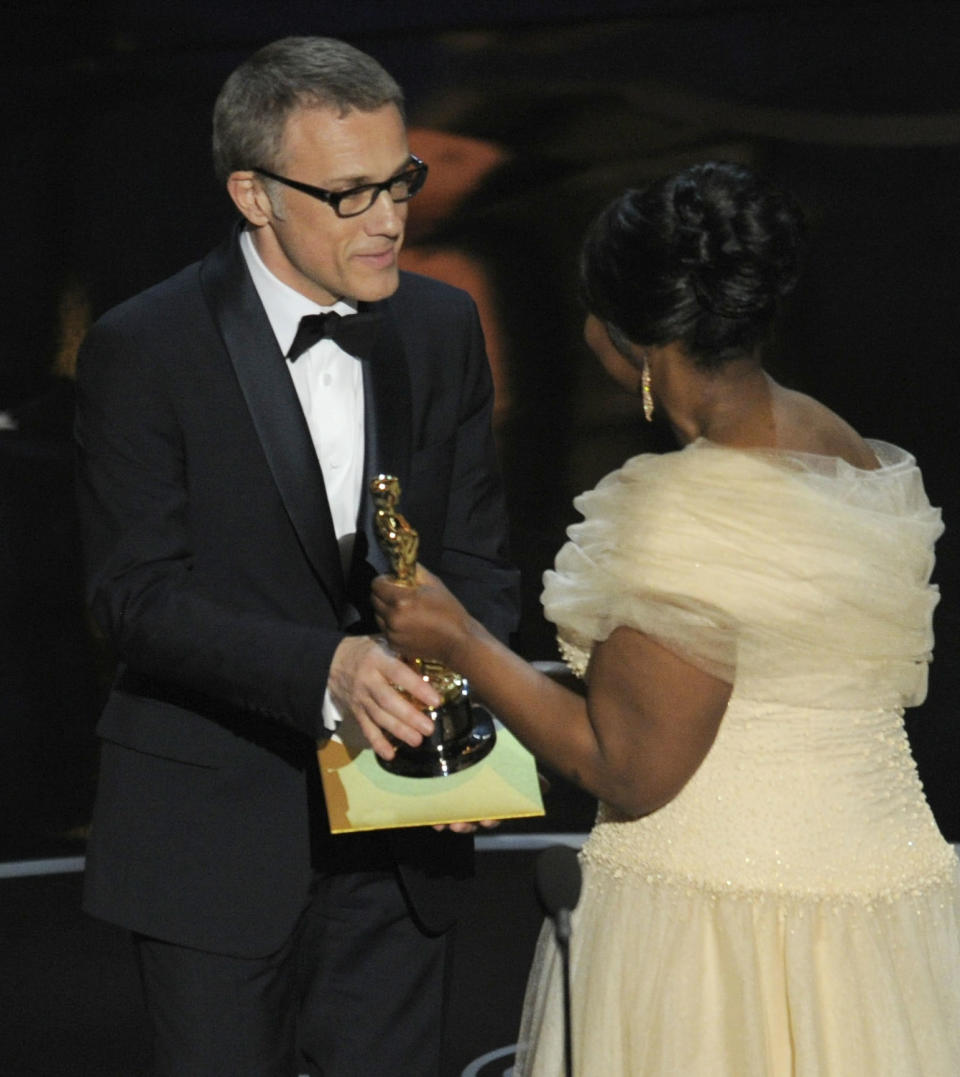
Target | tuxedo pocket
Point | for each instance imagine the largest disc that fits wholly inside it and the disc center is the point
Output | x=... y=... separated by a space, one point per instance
x=166 y=730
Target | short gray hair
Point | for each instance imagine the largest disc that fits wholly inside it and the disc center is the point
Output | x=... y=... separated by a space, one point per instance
x=251 y=110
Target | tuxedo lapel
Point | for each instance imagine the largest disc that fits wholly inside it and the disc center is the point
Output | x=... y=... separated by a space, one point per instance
x=274 y=408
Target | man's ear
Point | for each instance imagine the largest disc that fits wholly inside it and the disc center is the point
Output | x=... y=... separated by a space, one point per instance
x=249 y=197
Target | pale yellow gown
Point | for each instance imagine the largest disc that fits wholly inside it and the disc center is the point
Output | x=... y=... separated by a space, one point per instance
x=794 y=911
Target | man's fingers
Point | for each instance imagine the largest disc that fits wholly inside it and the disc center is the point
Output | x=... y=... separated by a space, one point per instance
x=392 y=712
x=376 y=738
x=412 y=683
x=468 y=828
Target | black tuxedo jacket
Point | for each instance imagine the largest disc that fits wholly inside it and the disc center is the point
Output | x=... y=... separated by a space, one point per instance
x=214 y=569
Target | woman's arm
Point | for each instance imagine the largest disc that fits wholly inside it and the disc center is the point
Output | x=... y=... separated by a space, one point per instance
x=646 y=724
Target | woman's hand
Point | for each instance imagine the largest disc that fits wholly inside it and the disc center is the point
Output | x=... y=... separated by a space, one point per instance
x=424 y=621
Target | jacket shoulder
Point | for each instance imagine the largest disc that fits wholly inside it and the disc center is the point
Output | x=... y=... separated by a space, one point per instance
x=415 y=287
x=158 y=302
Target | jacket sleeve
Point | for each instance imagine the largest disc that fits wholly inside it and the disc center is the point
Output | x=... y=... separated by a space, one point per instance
x=454 y=495
x=474 y=561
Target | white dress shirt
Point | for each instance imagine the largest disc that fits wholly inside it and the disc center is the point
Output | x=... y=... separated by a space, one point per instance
x=329 y=385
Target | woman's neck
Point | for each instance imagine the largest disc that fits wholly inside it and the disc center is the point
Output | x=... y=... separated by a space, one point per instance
x=732 y=405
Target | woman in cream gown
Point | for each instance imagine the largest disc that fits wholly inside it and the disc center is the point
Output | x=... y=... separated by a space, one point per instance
x=766 y=893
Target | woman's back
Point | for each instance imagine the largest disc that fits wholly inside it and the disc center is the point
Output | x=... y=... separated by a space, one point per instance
x=810 y=578
x=793 y=910
x=790 y=421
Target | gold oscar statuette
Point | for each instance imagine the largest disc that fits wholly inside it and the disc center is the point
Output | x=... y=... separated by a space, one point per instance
x=462 y=733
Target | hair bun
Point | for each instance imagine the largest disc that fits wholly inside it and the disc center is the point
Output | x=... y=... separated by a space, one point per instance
x=739 y=243
x=700 y=257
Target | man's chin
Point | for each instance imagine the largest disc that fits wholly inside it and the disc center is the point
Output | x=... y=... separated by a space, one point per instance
x=382 y=287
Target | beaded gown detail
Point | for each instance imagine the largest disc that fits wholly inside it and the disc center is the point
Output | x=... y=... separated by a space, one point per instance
x=794 y=911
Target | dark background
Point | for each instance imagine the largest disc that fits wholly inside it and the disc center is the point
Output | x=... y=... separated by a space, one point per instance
x=107 y=189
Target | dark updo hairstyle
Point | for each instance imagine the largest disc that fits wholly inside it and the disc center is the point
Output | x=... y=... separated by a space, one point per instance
x=702 y=257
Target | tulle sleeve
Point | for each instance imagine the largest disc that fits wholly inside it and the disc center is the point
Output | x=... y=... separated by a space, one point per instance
x=742 y=561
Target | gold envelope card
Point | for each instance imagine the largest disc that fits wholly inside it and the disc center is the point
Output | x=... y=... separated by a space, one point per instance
x=361 y=795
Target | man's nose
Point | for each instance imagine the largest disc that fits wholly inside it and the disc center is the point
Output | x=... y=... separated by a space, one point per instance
x=385 y=215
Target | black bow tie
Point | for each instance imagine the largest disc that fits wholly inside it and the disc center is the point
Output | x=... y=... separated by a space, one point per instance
x=355 y=333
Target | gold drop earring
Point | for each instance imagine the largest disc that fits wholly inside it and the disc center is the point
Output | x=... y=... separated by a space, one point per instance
x=645 y=391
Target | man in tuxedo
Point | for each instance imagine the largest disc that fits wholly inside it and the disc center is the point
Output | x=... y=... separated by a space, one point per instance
x=226 y=434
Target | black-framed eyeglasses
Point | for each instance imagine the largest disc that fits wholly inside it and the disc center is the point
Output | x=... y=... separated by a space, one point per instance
x=356 y=200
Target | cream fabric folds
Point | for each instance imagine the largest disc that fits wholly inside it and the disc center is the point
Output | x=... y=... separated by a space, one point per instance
x=676 y=982
x=771 y=564
x=794 y=911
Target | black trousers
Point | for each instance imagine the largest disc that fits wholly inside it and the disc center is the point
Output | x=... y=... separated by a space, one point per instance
x=358 y=990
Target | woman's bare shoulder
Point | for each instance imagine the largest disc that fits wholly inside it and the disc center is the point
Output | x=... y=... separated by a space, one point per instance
x=804 y=424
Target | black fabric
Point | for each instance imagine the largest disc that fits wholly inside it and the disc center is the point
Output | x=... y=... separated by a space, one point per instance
x=219 y=1016
x=359 y=930
x=355 y=333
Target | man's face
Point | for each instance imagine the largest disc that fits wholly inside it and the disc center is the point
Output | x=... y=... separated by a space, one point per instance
x=321 y=255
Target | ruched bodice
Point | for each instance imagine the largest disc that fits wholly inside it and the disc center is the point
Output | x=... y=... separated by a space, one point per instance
x=794 y=910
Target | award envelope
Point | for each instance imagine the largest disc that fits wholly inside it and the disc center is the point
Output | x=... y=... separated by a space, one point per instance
x=361 y=795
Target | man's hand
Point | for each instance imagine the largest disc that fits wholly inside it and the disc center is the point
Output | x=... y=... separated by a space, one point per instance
x=469 y=828
x=364 y=680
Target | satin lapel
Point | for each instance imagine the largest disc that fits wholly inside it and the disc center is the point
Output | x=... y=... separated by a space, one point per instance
x=274 y=407
x=386 y=383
